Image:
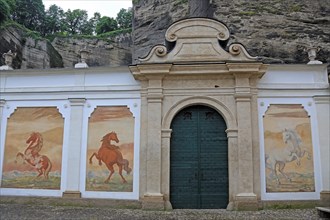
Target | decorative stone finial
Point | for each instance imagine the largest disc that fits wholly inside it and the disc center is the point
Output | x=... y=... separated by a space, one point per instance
x=9 y=56
x=312 y=51
x=84 y=53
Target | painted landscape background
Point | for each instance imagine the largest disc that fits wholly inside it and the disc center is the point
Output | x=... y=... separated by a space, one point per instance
x=104 y=120
x=276 y=119
x=25 y=120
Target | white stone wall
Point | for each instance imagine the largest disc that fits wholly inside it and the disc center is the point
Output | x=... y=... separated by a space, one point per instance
x=75 y=93
x=308 y=86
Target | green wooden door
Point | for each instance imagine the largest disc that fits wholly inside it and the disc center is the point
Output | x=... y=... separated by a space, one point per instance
x=198 y=159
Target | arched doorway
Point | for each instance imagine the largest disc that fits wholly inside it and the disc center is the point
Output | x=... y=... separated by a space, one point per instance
x=198 y=159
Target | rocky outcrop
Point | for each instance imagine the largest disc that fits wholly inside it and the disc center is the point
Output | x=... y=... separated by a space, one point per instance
x=11 y=39
x=278 y=31
x=31 y=53
x=39 y=53
x=105 y=52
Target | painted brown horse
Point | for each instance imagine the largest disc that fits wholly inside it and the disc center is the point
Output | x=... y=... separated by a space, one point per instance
x=31 y=155
x=109 y=154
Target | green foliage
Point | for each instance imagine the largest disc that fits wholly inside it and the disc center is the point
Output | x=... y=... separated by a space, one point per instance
x=115 y=33
x=76 y=21
x=124 y=18
x=106 y=24
x=30 y=13
x=6 y=8
x=54 y=20
x=4 y=11
x=11 y=4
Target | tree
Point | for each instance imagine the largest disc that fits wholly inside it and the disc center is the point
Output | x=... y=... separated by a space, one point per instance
x=76 y=21
x=4 y=11
x=90 y=26
x=124 y=18
x=54 y=20
x=106 y=24
x=30 y=13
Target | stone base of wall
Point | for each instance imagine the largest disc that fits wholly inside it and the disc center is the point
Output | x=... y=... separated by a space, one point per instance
x=113 y=203
x=71 y=194
x=293 y=204
x=325 y=198
x=246 y=202
x=153 y=202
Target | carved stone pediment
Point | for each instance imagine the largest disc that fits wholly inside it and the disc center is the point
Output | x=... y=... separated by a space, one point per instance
x=197 y=40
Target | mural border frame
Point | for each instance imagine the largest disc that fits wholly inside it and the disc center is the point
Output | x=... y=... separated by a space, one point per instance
x=309 y=106
x=135 y=107
x=8 y=109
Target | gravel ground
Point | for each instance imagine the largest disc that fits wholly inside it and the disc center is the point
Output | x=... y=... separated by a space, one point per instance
x=24 y=211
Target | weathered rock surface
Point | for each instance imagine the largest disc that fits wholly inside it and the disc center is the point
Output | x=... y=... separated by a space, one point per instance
x=114 y=51
x=277 y=31
x=63 y=52
x=31 y=53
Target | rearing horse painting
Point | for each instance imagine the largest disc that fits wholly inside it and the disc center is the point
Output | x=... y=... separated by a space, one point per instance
x=110 y=154
x=31 y=155
x=279 y=157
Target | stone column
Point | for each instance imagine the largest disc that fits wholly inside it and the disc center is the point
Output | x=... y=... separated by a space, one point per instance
x=323 y=111
x=166 y=139
x=153 y=197
x=246 y=199
x=74 y=148
x=232 y=166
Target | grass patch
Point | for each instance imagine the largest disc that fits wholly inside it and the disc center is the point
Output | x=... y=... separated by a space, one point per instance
x=31 y=182
x=114 y=185
x=291 y=205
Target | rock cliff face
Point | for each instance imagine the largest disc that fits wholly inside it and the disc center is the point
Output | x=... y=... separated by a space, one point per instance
x=278 y=31
x=115 y=51
x=63 y=52
x=31 y=53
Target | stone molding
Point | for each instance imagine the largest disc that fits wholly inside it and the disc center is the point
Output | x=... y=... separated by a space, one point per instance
x=197 y=40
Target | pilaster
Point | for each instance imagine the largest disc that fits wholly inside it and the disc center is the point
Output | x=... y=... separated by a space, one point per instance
x=74 y=150
x=322 y=104
x=2 y=104
x=166 y=139
x=232 y=165
x=245 y=198
x=153 y=197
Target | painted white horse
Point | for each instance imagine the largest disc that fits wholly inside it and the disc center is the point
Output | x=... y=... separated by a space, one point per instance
x=278 y=157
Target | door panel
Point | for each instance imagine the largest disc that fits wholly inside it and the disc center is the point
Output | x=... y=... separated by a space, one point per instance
x=199 y=164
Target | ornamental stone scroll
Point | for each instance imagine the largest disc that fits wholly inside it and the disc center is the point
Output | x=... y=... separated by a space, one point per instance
x=197 y=40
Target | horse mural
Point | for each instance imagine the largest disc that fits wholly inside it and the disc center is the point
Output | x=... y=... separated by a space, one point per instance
x=31 y=155
x=278 y=157
x=110 y=154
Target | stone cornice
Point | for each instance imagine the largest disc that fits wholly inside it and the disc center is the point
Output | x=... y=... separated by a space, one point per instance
x=158 y=71
x=145 y=71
